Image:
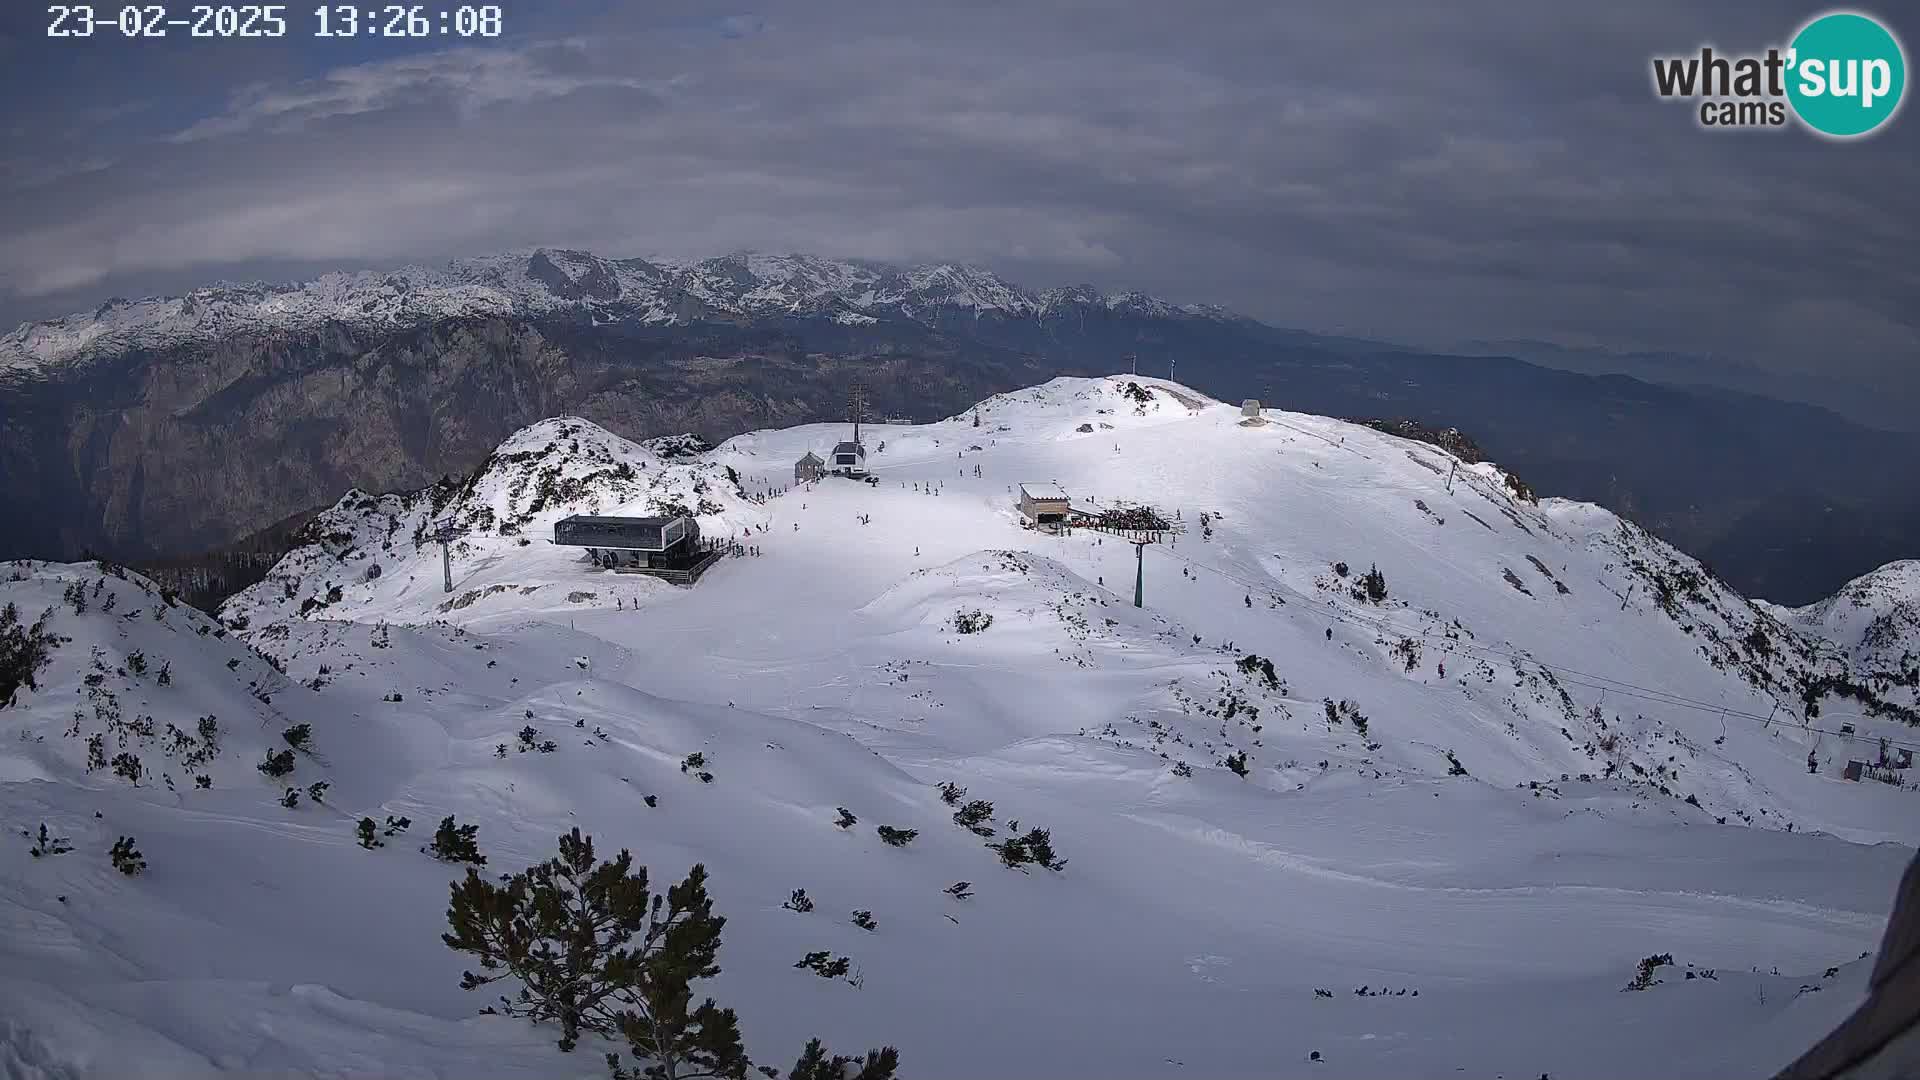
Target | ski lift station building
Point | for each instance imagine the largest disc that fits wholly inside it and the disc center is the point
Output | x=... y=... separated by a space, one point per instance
x=644 y=541
x=1044 y=504
x=850 y=458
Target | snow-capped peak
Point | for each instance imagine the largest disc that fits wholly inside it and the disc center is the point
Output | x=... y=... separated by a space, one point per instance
x=547 y=281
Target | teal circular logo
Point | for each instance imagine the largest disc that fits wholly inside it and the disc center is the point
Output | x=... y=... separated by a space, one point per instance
x=1846 y=74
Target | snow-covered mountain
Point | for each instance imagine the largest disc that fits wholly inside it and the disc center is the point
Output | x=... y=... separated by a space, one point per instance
x=1537 y=748
x=547 y=281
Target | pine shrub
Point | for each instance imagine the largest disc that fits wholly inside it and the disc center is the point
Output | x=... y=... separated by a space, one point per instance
x=126 y=858
x=1644 y=978
x=290 y=798
x=846 y=819
x=299 y=736
x=1237 y=763
x=959 y=890
x=595 y=951
x=454 y=843
x=1034 y=847
x=951 y=793
x=974 y=817
x=1373 y=585
x=277 y=765
x=368 y=833
x=799 y=901
x=825 y=964
x=48 y=844
x=864 y=920
x=897 y=837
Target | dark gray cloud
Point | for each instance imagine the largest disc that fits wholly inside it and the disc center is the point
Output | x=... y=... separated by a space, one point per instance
x=1395 y=169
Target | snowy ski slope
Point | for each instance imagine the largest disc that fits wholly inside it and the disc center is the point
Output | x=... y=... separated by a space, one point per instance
x=1199 y=911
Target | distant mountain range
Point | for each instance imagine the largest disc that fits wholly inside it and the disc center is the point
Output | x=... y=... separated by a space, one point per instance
x=1887 y=402
x=163 y=427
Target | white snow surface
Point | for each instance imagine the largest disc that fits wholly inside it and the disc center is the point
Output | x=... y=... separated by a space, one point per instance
x=546 y=281
x=1197 y=914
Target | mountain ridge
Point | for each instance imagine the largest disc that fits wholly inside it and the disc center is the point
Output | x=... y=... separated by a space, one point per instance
x=169 y=428
x=545 y=281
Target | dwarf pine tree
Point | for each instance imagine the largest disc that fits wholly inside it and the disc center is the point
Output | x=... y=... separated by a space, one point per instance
x=951 y=793
x=48 y=844
x=974 y=817
x=24 y=651
x=126 y=858
x=456 y=843
x=368 y=833
x=825 y=964
x=846 y=820
x=596 y=951
x=1034 y=846
x=815 y=1064
x=897 y=837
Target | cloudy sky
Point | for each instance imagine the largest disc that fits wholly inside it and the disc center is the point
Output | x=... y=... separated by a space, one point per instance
x=1421 y=172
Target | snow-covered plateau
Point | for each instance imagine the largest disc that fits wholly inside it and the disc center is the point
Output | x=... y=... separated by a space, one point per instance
x=1396 y=771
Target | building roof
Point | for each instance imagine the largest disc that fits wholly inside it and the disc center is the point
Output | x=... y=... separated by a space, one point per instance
x=850 y=447
x=597 y=519
x=1051 y=492
x=810 y=458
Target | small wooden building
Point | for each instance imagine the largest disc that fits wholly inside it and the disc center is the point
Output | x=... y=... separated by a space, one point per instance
x=810 y=467
x=1044 y=504
x=850 y=458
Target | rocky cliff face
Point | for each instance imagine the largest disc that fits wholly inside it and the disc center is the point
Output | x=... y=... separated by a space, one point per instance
x=167 y=451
